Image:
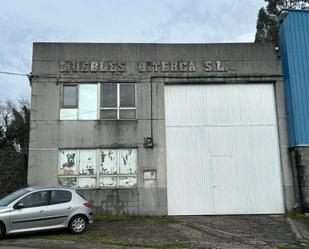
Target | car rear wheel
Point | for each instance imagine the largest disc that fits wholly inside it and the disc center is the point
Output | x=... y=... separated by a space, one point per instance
x=77 y=224
x=2 y=231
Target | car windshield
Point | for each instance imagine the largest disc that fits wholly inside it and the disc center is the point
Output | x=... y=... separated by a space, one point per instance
x=13 y=196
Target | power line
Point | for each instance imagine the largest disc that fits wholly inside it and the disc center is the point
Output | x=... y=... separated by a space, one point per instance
x=11 y=73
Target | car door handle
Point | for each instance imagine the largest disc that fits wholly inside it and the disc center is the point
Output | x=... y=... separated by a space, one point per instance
x=69 y=207
x=42 y=211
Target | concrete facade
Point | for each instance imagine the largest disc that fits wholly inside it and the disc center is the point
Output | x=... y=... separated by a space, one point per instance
x=150 y=66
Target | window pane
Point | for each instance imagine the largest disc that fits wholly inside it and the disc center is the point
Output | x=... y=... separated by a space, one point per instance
x=69 y=95
x=127 y=114
x=68 y=114
x=108 y=114
x=36 y=199
x=87 y=162
x=127 y=95
x=88 y=95
x=60 y=196
x=109 y=95
x=13 y=196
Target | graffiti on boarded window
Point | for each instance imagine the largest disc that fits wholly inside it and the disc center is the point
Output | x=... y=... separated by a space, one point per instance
x=127 y=162
x=67 y=161
x=98 y=168
x=108 y=162
x=87 y=162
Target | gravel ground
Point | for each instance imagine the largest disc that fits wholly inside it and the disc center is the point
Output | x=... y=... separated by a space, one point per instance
x=254 y=231
x=207 y=232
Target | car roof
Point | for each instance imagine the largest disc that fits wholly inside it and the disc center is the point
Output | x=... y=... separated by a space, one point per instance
x=35 y=188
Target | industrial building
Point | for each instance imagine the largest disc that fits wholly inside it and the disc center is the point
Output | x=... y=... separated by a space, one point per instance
x=157 y=129
x=294 y=50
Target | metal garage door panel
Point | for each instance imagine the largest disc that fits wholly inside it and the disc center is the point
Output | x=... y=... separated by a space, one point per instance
x=219 y=105
x=189 y=188
x=197 y=141
x=256 y=177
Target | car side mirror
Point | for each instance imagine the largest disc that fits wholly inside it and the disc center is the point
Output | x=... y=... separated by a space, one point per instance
x=19 y=205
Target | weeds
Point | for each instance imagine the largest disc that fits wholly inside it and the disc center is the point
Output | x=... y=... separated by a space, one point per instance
x=288 y=247
x=106 y=217
x=296 y=214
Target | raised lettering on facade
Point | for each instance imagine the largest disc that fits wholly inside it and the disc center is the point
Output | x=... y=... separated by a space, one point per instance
x=68 y=66
x=166 y=66
x=92 y=66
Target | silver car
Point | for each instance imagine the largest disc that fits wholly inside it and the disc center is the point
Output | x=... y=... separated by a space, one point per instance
x=35 y=209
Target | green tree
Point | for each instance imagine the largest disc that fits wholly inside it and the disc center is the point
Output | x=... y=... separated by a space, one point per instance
x=266 y=26
x=14 y=145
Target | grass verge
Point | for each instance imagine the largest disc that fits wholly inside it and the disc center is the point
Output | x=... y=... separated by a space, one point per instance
x=296 y=214
x=106 y=216
x=290 y=247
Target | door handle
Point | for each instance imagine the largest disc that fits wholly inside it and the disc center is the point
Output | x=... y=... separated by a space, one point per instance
x=42 y=211
x=69 y=207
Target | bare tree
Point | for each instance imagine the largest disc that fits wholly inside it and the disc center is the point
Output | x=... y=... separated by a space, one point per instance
x=14 y=144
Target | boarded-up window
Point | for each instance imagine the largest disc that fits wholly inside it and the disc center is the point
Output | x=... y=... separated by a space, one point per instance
x=108 y=181
x=98 y=168
x=127 y=161
x=108 y=161
x=127 y=181
x=87 y=182
x=87 y=162
x=67 y=181
x=67 y=162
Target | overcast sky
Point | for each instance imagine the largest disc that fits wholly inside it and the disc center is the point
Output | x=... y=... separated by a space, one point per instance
x=163 y=21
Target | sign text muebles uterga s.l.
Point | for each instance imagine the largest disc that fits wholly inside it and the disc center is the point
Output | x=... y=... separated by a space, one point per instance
x=70 y=66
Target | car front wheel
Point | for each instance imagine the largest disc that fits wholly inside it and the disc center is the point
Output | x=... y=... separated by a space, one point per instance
x=77 y=224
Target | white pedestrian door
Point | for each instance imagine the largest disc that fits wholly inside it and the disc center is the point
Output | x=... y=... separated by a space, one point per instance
x=224 y=190
x=222 y=150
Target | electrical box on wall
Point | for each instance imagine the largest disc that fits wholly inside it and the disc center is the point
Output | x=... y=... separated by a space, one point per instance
x=150 y=177
x=148 y=142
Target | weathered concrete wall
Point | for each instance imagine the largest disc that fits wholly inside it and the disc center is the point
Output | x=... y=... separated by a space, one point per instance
x=128 y=201
x=288 y=180
x=243 y=63
x=300 y=159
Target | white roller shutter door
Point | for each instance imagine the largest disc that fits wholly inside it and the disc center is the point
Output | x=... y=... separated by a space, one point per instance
x=222 y=150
